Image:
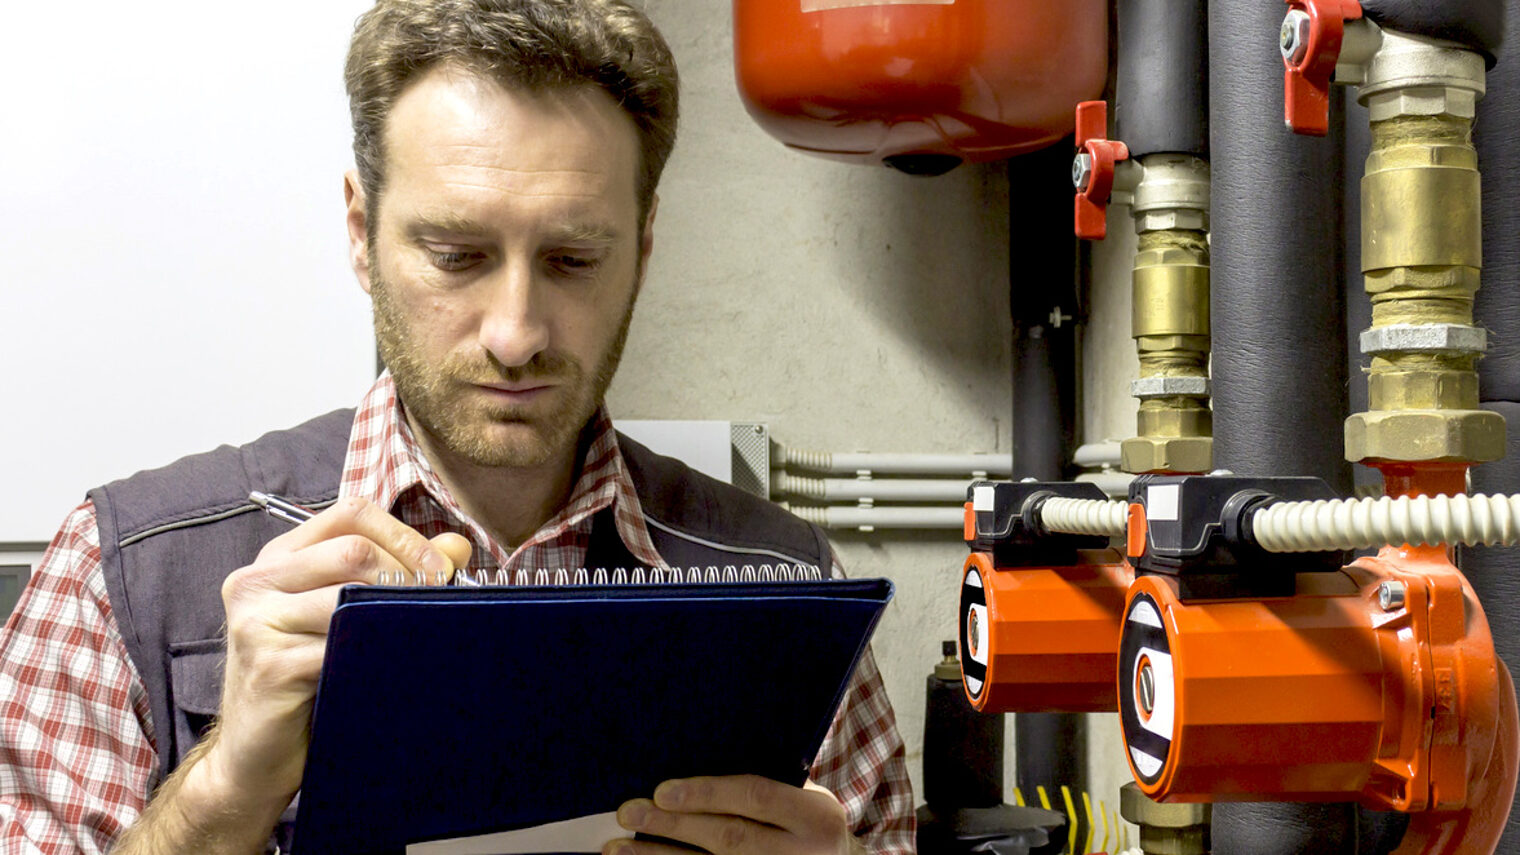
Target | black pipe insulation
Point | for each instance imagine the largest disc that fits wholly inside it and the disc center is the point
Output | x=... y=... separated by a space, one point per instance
x=1279 y=363
x=1049 y=749
x=1278 y=829
x=1478 y=24
x=1162 y=98
x=1357 y=142
x=1495 y=572
x=1043 y=277
x=1279 y=327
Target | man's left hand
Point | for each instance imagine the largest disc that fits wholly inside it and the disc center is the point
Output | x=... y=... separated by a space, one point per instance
x=737 y=815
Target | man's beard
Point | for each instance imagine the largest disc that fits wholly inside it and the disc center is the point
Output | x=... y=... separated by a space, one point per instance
x=440 y=398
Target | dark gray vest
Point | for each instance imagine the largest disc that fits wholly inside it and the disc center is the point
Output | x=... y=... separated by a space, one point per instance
x=170 y=536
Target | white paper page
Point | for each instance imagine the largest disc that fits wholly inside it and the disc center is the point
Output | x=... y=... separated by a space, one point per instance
x=583 y=834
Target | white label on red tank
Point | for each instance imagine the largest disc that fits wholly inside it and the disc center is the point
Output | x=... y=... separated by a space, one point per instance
x=1161 y=501
x=983 y=498
x=823 y=5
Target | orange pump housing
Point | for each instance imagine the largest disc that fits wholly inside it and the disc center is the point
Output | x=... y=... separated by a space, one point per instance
x=918 y=84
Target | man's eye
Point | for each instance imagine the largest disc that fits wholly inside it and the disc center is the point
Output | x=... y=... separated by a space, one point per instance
x=573 y=263
x=453 y=260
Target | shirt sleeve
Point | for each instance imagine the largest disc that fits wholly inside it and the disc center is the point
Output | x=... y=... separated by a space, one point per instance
x=863 y=763
x=76 y=737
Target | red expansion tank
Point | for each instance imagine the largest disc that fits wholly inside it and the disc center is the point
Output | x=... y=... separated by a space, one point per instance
x=919 y=84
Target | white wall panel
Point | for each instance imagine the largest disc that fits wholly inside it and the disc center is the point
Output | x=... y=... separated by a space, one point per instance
x=172 y=251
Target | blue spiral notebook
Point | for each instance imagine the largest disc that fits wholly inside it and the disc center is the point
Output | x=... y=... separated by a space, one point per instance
x=448 y=713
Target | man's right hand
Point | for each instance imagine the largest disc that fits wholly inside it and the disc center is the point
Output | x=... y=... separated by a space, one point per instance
x=278 y=612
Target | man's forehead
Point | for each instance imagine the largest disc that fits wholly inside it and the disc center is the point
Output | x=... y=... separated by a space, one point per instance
x=460 y=128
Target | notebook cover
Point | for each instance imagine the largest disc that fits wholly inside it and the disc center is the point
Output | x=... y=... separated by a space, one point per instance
x=448 y=712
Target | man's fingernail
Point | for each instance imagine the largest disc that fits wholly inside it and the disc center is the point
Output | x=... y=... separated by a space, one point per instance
x=434 y=561
x=633 y=817
x=670 y=794
x=625 y=849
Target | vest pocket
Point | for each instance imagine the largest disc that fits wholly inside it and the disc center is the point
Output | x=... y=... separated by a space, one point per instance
x=195 y=689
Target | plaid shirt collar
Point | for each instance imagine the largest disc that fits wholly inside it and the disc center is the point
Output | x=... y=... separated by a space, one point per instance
x=385 y=464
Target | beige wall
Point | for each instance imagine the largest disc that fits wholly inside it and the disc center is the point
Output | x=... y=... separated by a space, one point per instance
x=851 y=308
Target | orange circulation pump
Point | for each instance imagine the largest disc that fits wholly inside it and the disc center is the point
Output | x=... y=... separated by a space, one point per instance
x=920 y=85
x=1239 y=673
x=1374 y=682
x=1040 y=612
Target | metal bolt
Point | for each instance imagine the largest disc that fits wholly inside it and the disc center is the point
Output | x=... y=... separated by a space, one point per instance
x=1147 y=688
x=1081 y=171
x=1391 y=596
x=1293 y=40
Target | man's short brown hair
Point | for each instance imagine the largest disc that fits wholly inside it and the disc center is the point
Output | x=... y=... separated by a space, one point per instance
x=532 y=44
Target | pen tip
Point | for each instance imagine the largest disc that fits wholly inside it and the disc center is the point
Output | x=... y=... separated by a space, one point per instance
x=260 y=499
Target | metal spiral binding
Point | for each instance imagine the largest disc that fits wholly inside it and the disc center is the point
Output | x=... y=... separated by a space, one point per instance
x=562 y=577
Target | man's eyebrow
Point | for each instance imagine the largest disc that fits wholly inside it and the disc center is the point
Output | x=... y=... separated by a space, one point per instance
x=446 y=222
x=584 y=233
x=451 y=223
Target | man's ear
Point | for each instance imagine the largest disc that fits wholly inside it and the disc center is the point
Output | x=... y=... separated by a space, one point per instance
x=646 y=242
x=358 y=227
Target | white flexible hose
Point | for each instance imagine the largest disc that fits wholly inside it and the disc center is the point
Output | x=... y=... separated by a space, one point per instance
x=1085 y=516
x=1362 y=523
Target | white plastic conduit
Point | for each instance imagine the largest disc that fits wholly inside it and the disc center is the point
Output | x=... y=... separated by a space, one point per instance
x=1085 y=516
x=1333 y=524
x=1362 y=523
x=993 y=465
x=873 y=489
x=839 y=516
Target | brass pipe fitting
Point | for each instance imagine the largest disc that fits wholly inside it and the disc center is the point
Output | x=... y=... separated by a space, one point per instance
x=1170 y=325
x=1166 y=829
x=1421 y=257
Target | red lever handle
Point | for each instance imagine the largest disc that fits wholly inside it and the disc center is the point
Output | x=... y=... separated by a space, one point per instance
x=1093 y=171
x=1311 y=45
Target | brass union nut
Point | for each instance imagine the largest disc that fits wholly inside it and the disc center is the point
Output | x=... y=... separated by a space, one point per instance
x=1167 y=454
x=1456 y=435
x=1135 y=806
x=1423 y=390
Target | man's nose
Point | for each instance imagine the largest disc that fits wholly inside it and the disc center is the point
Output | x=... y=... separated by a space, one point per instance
x=514 y=328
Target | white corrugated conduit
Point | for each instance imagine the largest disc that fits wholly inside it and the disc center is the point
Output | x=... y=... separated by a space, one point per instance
x=879 y=484
x=1333 y=524
x=857 y=463
x=1084 y=516
x=1362 y=523
x=870 y=518
x=873 y=489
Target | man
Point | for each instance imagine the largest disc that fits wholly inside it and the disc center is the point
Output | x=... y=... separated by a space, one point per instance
x=501 y=217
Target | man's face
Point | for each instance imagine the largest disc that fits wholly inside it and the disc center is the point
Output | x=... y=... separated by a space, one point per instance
x=504 y=263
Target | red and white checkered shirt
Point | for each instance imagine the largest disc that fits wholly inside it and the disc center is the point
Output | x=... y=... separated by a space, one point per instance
x=77 y=758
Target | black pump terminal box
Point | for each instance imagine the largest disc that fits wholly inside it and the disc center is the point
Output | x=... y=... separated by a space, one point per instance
x=1007 y=522
x=1198 y=531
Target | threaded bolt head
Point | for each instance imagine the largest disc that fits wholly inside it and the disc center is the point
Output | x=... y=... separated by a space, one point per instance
x=1081 y=171
x=1391 y=596
x=1293 y=40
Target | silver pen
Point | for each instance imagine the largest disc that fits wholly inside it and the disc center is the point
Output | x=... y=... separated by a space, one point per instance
x=284 y=509
x=281 y=508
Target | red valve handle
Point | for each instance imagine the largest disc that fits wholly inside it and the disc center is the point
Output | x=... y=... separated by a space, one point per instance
x=1306 y=82
x=1104 y=155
